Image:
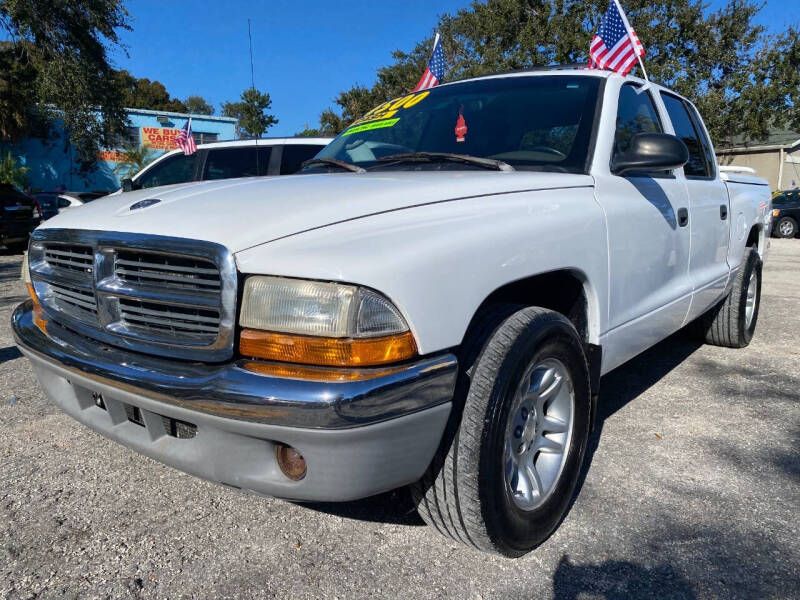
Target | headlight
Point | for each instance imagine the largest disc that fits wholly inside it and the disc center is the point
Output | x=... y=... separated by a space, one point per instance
x=319 y=323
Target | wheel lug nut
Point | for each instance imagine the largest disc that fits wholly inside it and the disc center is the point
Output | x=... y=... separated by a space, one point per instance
x=518 y=431
x=524 y=413
x=521 y=448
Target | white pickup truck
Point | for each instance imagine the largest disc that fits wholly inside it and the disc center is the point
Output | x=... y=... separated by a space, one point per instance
x=432 y=302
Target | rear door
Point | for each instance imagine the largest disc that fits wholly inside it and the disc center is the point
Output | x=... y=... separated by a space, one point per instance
x=709 y=221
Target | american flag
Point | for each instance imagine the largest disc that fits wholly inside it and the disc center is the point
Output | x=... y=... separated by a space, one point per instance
x=434 y=72
x=615 y=46
x=185 y=140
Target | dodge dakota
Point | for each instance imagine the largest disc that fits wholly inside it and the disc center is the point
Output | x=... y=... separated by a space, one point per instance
x=431 y=303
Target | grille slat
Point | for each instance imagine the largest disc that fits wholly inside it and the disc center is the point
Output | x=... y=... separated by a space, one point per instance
x=70 y=258
x=148 y=293
x=80 y=304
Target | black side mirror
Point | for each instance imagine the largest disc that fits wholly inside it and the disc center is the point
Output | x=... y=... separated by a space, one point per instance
x=651 y=152
x=127 y=184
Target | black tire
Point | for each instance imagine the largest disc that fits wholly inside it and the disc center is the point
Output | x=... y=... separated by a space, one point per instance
x=726 y=324
x=785 y=227
x=464 y=494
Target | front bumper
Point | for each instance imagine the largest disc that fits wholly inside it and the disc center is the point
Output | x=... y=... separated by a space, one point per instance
x=358 y=437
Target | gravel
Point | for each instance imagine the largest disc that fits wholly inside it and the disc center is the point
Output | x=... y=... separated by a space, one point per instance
x=690 y=490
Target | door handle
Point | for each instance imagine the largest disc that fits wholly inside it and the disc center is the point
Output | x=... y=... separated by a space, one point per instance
x=683 y=217
x=723 y=211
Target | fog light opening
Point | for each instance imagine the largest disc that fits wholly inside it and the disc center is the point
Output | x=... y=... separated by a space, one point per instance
x=290 y=461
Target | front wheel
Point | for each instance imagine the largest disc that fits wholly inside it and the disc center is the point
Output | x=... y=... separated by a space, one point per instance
x=504 y=476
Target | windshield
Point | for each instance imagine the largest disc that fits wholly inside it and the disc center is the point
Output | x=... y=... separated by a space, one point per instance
x=529 y=122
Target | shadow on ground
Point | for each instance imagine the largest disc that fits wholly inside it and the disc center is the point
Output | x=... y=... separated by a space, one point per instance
x=618 y=580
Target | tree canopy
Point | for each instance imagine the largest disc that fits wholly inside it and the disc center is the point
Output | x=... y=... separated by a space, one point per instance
x=251 y=112
x=143 y=93
x=743 y=80
x=55 y=65
x=197 y=105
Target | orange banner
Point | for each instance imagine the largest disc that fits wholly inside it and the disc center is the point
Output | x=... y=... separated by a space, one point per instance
x=159 y=138
x=111 y=156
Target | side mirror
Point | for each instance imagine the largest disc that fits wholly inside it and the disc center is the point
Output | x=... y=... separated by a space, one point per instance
x=651 y=152
x=127 y=184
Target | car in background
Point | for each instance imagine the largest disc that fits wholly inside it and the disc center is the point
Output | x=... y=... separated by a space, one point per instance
x=786 y=214
x=19 y=216
x=52 y=203
x=228 y=160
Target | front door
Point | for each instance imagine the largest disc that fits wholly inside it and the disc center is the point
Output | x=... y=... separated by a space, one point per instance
x=648 y=242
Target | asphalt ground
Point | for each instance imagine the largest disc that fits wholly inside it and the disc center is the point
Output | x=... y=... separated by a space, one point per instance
x=690 y=490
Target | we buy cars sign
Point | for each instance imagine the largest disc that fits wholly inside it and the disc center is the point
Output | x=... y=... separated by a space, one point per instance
x=159 y=138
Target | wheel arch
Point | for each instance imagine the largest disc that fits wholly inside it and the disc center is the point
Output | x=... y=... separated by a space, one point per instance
x=567 y=291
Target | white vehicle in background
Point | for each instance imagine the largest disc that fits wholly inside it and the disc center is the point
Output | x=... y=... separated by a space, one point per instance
x=228 y=160
x=433 y=305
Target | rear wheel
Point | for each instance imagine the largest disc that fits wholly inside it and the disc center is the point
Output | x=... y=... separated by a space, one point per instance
x=786 y=227
x=732 y=322
x=505 y=473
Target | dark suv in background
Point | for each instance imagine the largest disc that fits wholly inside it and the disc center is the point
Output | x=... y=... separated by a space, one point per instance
x=19 y=215
x=786 y=214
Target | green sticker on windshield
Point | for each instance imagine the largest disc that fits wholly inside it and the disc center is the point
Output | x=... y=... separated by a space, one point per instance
x=372 y=125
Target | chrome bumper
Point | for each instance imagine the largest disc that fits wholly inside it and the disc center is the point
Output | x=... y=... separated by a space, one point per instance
x=231 y=391
x=359 y=438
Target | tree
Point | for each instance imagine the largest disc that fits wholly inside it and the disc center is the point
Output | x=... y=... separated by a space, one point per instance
x=55 y=66
x=136 y=158
x=143 y=93
x=251 y=112
x=11 y=173
x=743 y=81
x=197 y=105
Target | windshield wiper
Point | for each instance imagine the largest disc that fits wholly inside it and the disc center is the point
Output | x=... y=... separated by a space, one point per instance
x=486 y=163
x=332 y=162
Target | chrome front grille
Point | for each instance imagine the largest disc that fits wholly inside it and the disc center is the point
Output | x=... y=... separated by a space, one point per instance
x=182 y=322
x=150 y=268
x=80 y=303
x=79 y=259
x=154 y=294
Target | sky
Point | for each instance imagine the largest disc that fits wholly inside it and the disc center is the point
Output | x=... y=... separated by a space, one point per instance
x=305 y=51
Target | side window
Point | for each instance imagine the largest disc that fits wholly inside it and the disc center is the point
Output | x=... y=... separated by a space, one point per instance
x=685 y=130
x=245 y=161
x=176 y=169
x=294 y=155
x=636 y=113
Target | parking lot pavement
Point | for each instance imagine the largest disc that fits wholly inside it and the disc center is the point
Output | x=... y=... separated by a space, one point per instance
x=691 y=490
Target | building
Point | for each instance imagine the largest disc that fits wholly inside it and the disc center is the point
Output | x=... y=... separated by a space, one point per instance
x=52 y=166
x=777 y=159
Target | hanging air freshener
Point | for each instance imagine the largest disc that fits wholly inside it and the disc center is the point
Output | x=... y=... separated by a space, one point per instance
x=461 y=126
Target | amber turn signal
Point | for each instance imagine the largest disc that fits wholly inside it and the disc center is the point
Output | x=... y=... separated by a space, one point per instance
x=38 y=314
x=324 y=351
x=308 y=373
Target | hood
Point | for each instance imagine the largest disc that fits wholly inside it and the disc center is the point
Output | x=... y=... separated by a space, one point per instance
x=241 y=213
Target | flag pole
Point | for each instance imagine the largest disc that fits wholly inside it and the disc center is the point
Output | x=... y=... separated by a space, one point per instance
x=628 y=30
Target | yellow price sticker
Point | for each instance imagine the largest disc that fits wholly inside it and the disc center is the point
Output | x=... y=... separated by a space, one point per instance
x=372 y=125
x=389 y=109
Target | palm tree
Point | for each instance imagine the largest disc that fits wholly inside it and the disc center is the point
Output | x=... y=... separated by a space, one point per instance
x=136 y=158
